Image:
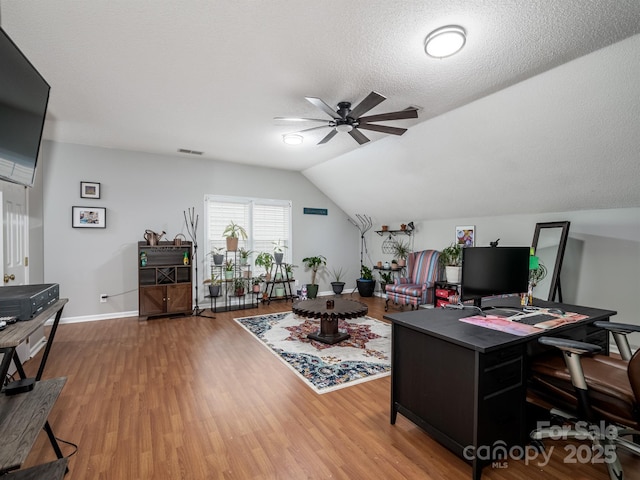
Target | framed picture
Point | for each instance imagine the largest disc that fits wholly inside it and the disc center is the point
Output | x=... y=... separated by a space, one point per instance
x=466 y=235
x=89 y=190
x=88 y=217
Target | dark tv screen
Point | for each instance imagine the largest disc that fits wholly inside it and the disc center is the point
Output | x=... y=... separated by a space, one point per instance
x=489 y=271
x=24 y=96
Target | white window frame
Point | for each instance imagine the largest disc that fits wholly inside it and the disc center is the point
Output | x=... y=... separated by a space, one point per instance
x=213 y=233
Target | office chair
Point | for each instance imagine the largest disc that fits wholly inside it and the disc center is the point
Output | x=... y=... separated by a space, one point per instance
x=596 y=396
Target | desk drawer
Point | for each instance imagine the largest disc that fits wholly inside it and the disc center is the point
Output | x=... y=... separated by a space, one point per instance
x=501 y=377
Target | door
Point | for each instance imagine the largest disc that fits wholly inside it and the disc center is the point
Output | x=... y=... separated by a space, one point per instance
x=15 y=234
x=14 y=250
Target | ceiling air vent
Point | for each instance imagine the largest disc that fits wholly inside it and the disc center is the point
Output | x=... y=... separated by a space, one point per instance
x=190 y=152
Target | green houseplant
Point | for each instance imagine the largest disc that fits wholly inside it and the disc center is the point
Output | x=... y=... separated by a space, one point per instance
x=314 y=264
x=244 y=255
x=228 y=270
x=337 y=284
x=366 y=284
x=214 y=285
x=278 y=251
x=238 y=287
x=401 y=250
x=451 y=259
x=233 y=232
x=386 y=278
x=216 y=255
x=265 y=260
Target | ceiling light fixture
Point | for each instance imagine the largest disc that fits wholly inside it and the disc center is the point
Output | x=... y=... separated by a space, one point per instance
x=445 y=41
x=292 y=139
x=344 y=127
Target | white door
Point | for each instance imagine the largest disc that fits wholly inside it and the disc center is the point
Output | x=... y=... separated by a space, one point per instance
x=16 y=234
x=15 y=251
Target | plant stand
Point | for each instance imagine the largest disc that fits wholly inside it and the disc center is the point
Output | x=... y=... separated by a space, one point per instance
x=285 y=282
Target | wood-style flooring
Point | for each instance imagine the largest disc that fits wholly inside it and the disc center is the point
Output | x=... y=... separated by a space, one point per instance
x=199 y=398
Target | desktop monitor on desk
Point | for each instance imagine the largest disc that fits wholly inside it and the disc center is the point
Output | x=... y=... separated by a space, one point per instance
x=490 y=271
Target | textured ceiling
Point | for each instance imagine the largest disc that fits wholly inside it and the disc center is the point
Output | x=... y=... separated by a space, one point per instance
x=160 y=75
x=541 y=104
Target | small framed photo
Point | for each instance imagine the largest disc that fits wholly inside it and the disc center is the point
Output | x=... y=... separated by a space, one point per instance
x=466 y=235
x=89 y=190
x=88 y=217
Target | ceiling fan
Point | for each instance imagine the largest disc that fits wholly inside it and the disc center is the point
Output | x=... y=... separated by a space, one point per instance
x=345 y=119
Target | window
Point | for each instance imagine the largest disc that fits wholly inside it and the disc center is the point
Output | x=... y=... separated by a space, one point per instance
x=266 y=221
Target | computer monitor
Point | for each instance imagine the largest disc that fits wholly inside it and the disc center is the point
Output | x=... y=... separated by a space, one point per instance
x=490 y=271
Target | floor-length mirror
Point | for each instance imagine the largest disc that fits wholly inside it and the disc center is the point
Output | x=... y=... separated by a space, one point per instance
x=549 y=242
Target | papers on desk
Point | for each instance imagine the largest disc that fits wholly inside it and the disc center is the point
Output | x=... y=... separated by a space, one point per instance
x=505 y=324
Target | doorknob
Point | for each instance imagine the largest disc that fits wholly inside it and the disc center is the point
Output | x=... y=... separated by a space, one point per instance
x=9 y=277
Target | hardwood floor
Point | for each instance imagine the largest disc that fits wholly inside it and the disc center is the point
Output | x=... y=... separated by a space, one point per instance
x=199 y=398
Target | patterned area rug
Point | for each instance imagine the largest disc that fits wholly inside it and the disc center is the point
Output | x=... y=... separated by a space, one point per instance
x=365 y=356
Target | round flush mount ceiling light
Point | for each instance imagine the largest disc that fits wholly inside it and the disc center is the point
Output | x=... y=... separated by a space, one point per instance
x=292 y=139
x=344 y=128
x=445 y=41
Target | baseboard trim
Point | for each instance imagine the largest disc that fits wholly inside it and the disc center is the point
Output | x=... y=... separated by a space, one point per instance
x=94 y=318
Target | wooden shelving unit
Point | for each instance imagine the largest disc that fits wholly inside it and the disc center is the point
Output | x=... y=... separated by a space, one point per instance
x=164 y=279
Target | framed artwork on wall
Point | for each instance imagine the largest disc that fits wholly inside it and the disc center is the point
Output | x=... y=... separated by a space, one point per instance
x=466 y=235
x=88 y=217
x=89 y=190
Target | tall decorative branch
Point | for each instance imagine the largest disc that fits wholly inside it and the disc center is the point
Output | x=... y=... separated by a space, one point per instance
x=363 y=224
x=192 y=229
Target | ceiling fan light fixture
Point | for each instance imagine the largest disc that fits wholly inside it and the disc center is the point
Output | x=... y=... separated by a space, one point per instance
x=445 y=41
x=292 y=139
x=344 y=128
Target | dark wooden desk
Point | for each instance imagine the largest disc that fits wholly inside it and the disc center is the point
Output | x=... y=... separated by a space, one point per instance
x=465 y=385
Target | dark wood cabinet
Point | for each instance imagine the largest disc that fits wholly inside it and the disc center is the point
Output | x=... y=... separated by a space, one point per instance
x=164 y=279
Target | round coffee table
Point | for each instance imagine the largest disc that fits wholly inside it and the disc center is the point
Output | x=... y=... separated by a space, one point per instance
x=329 y=310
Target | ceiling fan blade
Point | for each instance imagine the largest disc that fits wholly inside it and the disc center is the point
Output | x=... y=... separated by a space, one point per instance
x=298 y=119
x=358 y=136
x=324 y=107
x=373 y=99
x=312 y=128
x=383 y=128
x=329 y=136
x=408 y=113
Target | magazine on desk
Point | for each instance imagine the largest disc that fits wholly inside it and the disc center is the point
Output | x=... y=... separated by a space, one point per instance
x=505 y=323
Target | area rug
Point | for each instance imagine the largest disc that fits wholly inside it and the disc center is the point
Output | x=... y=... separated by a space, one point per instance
x=325 y=368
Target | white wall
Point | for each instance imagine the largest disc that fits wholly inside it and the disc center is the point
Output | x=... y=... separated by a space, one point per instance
x=602 y=261
x=145 y=191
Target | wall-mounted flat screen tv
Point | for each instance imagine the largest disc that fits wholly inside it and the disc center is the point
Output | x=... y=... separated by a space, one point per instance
x=24 y=96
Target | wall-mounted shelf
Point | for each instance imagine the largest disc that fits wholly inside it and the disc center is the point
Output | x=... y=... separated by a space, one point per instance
x=394 y=232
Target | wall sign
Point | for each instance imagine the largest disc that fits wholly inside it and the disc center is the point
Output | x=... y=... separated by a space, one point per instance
x=314 y=211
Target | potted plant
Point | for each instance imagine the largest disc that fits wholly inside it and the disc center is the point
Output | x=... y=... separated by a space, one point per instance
x=233 y=232
x=401 y=250
x=337 y=284
x=386 y=278
x=238 y=287
x=366 y=284
x=214 y=285
x=265 y=260
x=228 y=270
x=288 y=268
x=244 y=255
x=216 y=254
x=451 y=259
x=314 y=264
x=278 y=251
x=255 y=282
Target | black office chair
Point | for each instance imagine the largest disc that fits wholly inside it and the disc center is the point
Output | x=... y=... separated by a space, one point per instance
x=581 y=385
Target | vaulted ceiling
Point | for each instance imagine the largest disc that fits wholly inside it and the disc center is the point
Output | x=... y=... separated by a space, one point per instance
x=507 y=121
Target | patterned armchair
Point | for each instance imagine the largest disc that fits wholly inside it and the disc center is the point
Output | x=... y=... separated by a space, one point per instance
x=423 y=269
